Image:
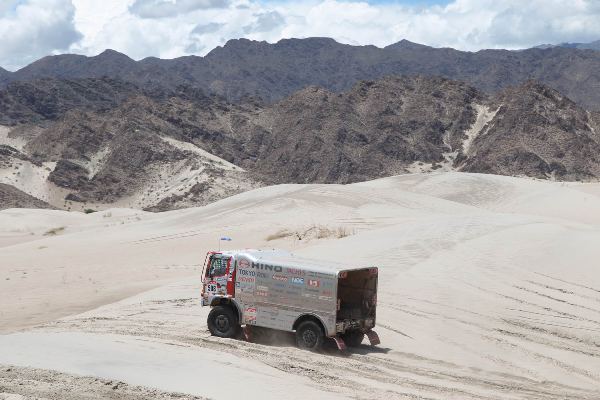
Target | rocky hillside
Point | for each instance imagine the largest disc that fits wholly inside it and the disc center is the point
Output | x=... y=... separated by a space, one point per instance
x=378 y=128
x=4 y=76
x=537 y=132
x=275 y=71
x=49 y=99
x=11 y=197
x=108 y=143
x=595 y=45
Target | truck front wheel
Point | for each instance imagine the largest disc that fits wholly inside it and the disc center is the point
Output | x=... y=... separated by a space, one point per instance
x=309 y=336
x=223 y=322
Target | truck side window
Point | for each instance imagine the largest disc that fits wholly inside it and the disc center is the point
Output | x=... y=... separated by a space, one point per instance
x=218 y=266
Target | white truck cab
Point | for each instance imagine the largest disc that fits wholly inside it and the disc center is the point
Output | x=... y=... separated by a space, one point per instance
x=278 y=290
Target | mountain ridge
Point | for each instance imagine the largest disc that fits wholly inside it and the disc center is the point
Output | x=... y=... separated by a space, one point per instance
x=274 y=71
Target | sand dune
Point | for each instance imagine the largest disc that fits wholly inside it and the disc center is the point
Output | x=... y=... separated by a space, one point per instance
x=489 y=288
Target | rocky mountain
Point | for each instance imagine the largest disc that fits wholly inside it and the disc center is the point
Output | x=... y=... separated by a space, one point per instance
x=275 y=71
x=595 y=45
x=378 y=128
x=49 y=99
x=538 y=132
x=11 y=197
x=4 y=76
x=111 y=143
x=132 y=155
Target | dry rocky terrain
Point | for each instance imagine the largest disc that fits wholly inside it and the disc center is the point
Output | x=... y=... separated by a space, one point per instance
x=99 y=143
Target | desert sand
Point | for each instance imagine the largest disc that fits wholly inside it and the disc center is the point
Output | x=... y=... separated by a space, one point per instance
x=489 y=288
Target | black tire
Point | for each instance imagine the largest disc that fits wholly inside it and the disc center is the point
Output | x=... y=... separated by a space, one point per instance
x=353 y=338
x=309 y=336
x=223 y=322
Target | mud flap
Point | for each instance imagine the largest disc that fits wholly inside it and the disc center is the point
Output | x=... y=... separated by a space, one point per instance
x=247 y=332
x=340 y=343
x=373 y=338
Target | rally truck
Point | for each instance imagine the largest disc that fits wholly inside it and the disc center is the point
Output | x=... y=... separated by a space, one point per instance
x=276 y=290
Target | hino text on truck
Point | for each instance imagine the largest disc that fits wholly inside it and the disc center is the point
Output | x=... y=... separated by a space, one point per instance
x=277 y=290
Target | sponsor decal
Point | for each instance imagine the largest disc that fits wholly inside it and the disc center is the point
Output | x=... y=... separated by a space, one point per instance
x=297 y=280
x=246 y=279
x=327 y=298
x=314 y=283
x=247 y=273
x=243 y=263
x=250 y=315
x=261 y=293
x=295 y=271
x=327 y=293
x=237 y=284
x=311 y=295
x=281 y=278
x=261 y=275
x=267 y=267
x=327 y=284
x=262 y=288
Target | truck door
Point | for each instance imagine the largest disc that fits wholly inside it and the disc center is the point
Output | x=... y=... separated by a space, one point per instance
x=217 y=275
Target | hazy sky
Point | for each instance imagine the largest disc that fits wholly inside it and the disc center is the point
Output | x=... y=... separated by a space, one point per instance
x=30 y=29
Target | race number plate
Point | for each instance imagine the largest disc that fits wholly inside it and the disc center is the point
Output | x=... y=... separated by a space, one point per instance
x=211 y=287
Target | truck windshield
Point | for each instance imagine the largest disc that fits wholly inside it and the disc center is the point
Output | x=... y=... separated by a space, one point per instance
x=218 y=266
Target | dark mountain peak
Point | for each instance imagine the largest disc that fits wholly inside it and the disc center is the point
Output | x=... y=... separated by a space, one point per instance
x=243 y=42
x=59 y=66
x=407 y=45
x=112 y=55
x=234 y=46
x=310 y=41
x=595 y=45
x=57 y=60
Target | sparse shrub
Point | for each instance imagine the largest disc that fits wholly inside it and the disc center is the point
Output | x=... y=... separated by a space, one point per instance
x=89 y=211
x=323 y=232
x=312 y=232
x=55 y=231
x=342 y=232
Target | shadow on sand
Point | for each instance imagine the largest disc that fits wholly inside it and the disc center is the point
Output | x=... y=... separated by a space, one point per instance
x=276 y=338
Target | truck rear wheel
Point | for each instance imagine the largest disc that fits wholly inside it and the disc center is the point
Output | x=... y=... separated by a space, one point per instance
x=309 y=336
x=223 y=322
x=353 y=338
